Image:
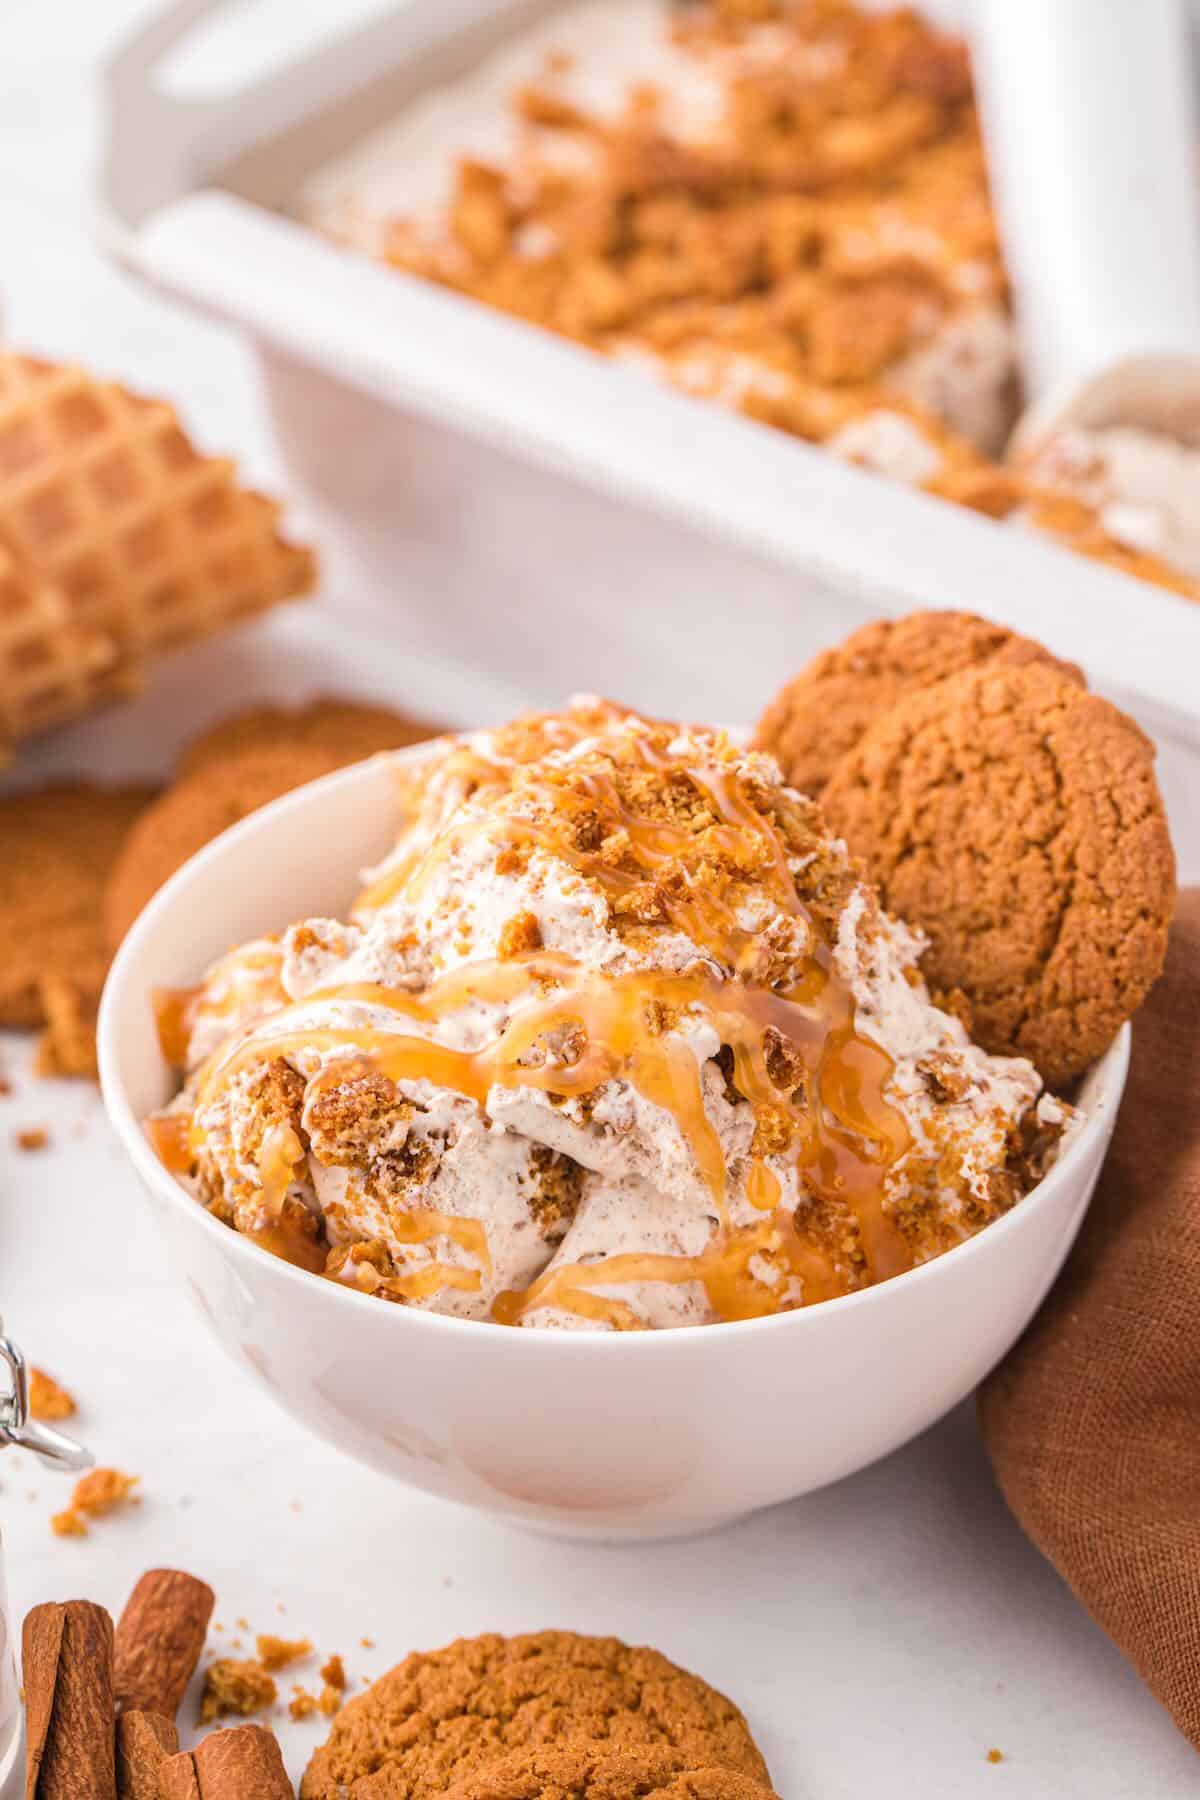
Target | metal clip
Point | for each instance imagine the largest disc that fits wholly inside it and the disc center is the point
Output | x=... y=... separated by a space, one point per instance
x=56 y=1450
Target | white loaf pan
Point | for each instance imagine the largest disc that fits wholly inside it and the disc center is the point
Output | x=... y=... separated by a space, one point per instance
x=513 y=503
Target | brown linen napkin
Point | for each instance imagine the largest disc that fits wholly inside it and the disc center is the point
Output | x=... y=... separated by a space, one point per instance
x=1093 y=1421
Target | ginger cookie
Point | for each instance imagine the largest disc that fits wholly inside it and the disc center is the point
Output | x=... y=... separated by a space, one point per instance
x=57 y=846
x=441 y=1716
x=819 y=716
x=586 y=1771
x=348 y=729
x=196 y=810
x=1016 y=818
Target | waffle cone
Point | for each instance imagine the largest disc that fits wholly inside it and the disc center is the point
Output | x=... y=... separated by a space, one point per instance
x=150 y=543
x=51 y=667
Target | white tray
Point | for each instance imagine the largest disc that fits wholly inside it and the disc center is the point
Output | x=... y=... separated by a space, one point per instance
x=579 y=526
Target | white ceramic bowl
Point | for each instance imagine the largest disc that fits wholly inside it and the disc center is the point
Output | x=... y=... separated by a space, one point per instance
x=628 y=1434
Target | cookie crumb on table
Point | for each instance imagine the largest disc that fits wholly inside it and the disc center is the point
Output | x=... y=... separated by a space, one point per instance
x=33 y=1137
x=98 y=1492
x=276 y=1652
x=995 y=1756
x=67 y=1523
x=48 y=1400
x=333 y=1673
x=235 y=1687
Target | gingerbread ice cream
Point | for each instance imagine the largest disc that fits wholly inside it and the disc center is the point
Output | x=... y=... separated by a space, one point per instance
x=616 y=1037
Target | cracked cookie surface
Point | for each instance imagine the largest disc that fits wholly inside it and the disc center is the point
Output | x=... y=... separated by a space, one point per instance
x=594 y=1772
x=820 y=716
x=1016 y=818
x=441 y=1716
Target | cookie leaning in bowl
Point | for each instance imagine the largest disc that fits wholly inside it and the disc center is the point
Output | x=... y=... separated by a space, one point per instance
x=1016 y=819
x=443 y=1715
x=819 y=716
x=597 y=1772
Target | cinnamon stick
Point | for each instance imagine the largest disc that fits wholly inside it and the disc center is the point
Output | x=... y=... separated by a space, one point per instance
x=159 y=1639
x=243 y=1764
x=144 y=1742
x=67 y=1660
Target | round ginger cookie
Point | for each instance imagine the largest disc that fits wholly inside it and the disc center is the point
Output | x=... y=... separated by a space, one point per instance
x=441 y=1716
x=349 y=729
x=193 y=812
x=1016 y=818
x=57 y=846
x=821 y=715
x=586 y=1771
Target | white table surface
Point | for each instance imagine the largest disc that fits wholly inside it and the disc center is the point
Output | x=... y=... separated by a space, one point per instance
x=882 y=1635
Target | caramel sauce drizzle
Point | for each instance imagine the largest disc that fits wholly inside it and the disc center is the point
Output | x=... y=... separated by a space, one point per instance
x=246 y=979
x=566 y=1030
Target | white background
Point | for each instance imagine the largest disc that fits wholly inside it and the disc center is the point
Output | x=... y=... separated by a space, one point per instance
x=882 y=1635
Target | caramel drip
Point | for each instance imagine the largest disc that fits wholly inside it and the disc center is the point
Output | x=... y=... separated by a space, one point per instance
x=723 y=1269
x=170 y=1138
x=423 y=1225
x=416 y=1284
x=280 y=1155
x=287 y=1238
x=845 y=1135
x=246 y=981
x=174 y=1017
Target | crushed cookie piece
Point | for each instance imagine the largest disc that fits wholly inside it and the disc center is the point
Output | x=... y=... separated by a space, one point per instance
x=277 y=1653
x=995 y=1756
x=32 y=1137
x=944 y=1076
x=235 y=1687
x=519 y=935
x=68 y=1523
x=334 y=1673
x=784 y=1060
x=330 y=1700
x=302 y=1705
x=47 y=1399
x=67 y=1047
x=102 y=1491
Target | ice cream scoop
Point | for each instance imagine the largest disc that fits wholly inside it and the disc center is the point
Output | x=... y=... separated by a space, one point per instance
x=616 y=1037
x=1089 y=121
